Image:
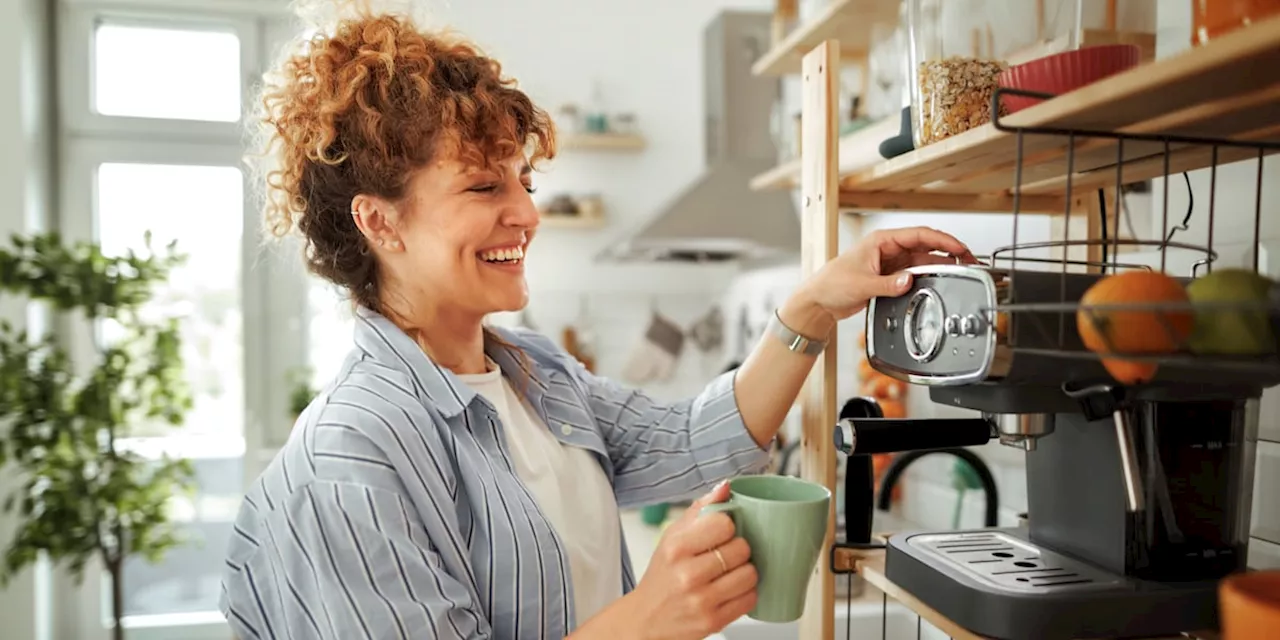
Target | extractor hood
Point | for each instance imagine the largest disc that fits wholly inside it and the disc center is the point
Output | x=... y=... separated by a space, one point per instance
x=718 y=217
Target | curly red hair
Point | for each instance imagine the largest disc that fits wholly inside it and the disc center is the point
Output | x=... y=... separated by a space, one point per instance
x=358 y=110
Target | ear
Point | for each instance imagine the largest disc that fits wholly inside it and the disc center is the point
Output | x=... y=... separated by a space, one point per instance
x=377 y=220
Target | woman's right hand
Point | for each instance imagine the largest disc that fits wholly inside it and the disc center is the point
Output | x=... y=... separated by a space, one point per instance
x=687 y=591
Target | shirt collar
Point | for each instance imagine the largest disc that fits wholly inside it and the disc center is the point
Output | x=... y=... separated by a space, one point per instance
x=392 y=347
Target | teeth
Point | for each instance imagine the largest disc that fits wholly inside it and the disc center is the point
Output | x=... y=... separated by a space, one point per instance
x=503 y=255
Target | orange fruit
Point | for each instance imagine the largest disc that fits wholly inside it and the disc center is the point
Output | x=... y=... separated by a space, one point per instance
x=892 y=409
x=1146 y=331
x=866 y=371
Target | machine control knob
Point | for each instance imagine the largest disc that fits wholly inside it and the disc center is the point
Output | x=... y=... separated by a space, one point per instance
x=969 y=325
x=952 y=325
x=890 y=324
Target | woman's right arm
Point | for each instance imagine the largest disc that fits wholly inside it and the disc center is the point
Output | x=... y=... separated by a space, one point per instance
x=342 y=560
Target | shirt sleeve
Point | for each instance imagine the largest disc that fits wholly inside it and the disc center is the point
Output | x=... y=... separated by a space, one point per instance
x=667 y=451
x=341 y=560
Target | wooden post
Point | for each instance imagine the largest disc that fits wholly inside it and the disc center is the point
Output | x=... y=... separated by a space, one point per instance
x=819 y=237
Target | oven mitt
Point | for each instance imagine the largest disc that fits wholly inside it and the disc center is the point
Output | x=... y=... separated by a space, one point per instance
x=655 y=358
x=708 y=331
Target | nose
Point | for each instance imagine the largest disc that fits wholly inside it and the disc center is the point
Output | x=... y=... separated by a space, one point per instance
x=521 y=211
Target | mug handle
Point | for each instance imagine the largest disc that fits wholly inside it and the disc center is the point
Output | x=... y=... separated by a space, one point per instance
x=728 y=507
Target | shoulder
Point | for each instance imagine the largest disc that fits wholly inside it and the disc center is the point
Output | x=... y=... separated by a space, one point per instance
x=530 y=341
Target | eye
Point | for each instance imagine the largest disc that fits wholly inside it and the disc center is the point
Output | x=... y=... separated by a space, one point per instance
x=484 y=188
x=530 y=188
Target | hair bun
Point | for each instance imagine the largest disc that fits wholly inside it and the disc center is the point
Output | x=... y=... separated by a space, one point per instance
x=325 y=15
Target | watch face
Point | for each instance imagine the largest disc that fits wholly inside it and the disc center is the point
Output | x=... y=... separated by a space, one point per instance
x=923 y=323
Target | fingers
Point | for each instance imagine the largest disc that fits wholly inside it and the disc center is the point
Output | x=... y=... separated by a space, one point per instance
x=918 y=259
x=718 y=493
x=736 y=553
x=736 y=608
x=737 y=582
x=703 y=533
x=921 y=239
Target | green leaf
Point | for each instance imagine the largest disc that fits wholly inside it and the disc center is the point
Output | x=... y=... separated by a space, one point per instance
x=82 y=497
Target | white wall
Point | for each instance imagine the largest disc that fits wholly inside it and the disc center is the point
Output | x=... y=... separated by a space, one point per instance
x=24 y=203
x=557 y=49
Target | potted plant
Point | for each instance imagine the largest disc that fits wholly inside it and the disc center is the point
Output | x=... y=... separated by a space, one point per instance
x=301 y=392
x=62 y=422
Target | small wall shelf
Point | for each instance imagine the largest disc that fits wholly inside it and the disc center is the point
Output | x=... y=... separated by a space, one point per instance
x=603 y=141
x=566 y=221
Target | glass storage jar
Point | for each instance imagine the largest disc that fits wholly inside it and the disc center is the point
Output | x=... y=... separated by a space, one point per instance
x=958 y=48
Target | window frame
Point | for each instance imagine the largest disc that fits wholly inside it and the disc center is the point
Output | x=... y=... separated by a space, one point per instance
x=273 y=282
x=76 y=64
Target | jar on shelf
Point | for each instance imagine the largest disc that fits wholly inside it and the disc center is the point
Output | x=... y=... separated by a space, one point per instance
x=1213 y=18
x=958 y=48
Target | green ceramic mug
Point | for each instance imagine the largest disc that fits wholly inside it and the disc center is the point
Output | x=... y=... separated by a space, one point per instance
x=784 y=520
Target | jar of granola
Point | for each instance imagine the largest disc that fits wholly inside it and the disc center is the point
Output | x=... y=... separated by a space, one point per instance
x=959 y=47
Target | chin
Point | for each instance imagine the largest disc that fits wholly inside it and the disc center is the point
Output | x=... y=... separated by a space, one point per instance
x=510 y=302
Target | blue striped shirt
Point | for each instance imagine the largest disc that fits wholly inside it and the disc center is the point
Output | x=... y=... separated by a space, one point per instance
x=393 y=511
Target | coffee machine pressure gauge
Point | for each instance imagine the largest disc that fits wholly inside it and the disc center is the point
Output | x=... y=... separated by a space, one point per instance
x=923 y=322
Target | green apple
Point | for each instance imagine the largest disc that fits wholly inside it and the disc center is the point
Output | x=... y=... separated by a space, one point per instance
x=1242 y=330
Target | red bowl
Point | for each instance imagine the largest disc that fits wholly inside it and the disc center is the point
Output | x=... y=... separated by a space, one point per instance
x=1063 y=72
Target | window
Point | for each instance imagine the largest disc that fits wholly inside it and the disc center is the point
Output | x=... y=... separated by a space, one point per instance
x=329 y=334
x=152 y=72
x=153 y=132
x=207 y=226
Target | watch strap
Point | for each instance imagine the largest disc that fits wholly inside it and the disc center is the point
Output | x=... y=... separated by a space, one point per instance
x=792 y=340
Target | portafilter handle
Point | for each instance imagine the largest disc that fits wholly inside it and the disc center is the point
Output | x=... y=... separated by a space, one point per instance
x=869 y=436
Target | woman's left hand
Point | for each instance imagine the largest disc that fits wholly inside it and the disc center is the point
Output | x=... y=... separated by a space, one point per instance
x=872 y=267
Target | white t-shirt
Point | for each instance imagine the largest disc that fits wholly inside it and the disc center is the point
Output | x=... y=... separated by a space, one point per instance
x=571 y=489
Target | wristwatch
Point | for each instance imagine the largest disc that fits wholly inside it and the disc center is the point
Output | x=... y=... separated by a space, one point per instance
x=794 y=341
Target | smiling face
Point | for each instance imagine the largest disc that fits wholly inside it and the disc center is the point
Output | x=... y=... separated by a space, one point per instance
x=456 y=243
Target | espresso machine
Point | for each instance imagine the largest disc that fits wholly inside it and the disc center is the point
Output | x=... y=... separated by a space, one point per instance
x=1138 y=499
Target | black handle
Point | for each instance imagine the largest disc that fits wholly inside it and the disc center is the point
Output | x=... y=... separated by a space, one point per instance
x=869 y=436
x=859 y=477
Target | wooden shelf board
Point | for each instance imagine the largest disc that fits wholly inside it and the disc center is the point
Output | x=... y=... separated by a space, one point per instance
x=848 y=21
x=857 y=149
x=1227 y=89
x=564 y=221
x=602 y=141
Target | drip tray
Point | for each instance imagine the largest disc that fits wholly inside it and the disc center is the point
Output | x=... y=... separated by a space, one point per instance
x=998 y=584
x=1009 y=563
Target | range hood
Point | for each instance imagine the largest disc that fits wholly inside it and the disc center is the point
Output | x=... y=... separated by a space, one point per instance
x=718 y=217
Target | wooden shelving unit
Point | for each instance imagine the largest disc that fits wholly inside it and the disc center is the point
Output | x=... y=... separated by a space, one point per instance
x=602 y=141
x=848 y=21
x=1228 y=89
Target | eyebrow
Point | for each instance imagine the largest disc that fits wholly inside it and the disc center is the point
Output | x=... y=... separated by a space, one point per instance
x=525 y=169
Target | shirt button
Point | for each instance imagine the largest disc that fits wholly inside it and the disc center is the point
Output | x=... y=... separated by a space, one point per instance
x=566 y=429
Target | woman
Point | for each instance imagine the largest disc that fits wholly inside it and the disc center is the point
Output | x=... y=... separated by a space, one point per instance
x=462 y=482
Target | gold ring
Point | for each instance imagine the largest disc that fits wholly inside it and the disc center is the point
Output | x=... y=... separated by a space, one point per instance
x=724 y=567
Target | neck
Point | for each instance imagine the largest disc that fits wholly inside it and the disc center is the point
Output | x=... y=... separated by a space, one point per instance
x=453 y=340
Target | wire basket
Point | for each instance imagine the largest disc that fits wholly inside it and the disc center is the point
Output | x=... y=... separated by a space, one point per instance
x=1178 y=345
